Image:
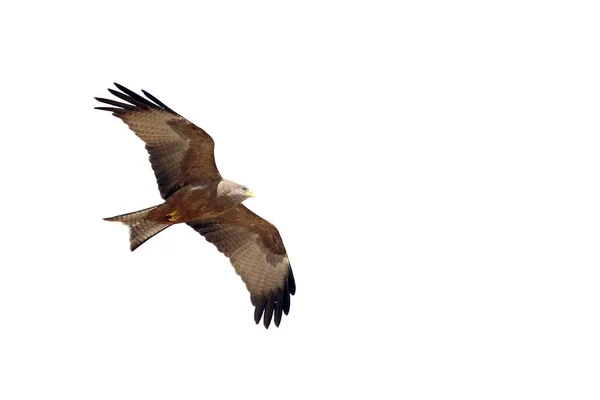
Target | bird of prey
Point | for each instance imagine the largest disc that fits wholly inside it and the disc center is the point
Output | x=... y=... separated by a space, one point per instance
x=194 y=193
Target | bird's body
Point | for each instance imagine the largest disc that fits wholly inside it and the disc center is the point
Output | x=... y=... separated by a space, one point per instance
x=194 y=203
x=182 y=157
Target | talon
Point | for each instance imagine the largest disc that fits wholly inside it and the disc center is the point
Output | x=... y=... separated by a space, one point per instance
x=173 y=216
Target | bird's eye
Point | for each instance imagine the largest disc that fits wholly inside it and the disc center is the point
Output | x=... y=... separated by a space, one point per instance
x=244 y=188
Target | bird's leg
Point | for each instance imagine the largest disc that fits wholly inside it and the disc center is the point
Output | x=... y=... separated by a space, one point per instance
x=173 y=216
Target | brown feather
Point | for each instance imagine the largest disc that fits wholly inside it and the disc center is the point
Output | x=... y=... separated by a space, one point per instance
x=180 y=152
x=258 y=255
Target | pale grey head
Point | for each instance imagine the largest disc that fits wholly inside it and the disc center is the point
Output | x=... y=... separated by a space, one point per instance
x=234 y=191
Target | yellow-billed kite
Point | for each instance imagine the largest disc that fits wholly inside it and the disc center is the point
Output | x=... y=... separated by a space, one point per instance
x=182 y=157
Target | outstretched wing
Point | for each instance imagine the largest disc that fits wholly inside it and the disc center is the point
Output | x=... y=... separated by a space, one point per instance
x=256 y=251
x=180 y=152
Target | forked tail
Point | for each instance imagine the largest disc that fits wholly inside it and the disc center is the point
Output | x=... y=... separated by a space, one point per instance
x=140 y=229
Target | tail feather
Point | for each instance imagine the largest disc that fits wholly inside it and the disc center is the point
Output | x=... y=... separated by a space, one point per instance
x=140 y=229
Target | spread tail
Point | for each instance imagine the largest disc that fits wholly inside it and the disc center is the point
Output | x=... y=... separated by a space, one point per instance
x=140 y=229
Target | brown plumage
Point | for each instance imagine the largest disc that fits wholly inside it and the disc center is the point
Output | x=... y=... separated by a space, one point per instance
x=182 y=157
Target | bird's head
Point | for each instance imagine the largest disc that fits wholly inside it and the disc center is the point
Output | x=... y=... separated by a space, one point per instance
x=244 y=191
x=234 y=191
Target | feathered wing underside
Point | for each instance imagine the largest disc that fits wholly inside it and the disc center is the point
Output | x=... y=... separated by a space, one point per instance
x=256 y=251
x=180 y=152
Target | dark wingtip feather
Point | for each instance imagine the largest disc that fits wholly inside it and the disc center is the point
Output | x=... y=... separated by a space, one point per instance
x=286 y=299
x=157 y=101
x=113 y=109
x=278 y=308
x=115 y=103
x=129 y=92
x=291 y=282
x=269 y=311
x=136 y=101
x=259 y=304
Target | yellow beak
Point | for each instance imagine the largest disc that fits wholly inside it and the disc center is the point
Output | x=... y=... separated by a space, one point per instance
x=250 y=193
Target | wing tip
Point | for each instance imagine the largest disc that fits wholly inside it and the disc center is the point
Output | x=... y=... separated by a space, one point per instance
x=272 y=307
x=135 y=100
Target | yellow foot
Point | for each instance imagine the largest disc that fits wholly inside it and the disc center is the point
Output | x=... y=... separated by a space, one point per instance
x=173 y=216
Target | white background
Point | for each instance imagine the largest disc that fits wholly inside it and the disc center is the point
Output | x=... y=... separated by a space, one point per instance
x=433 y=168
